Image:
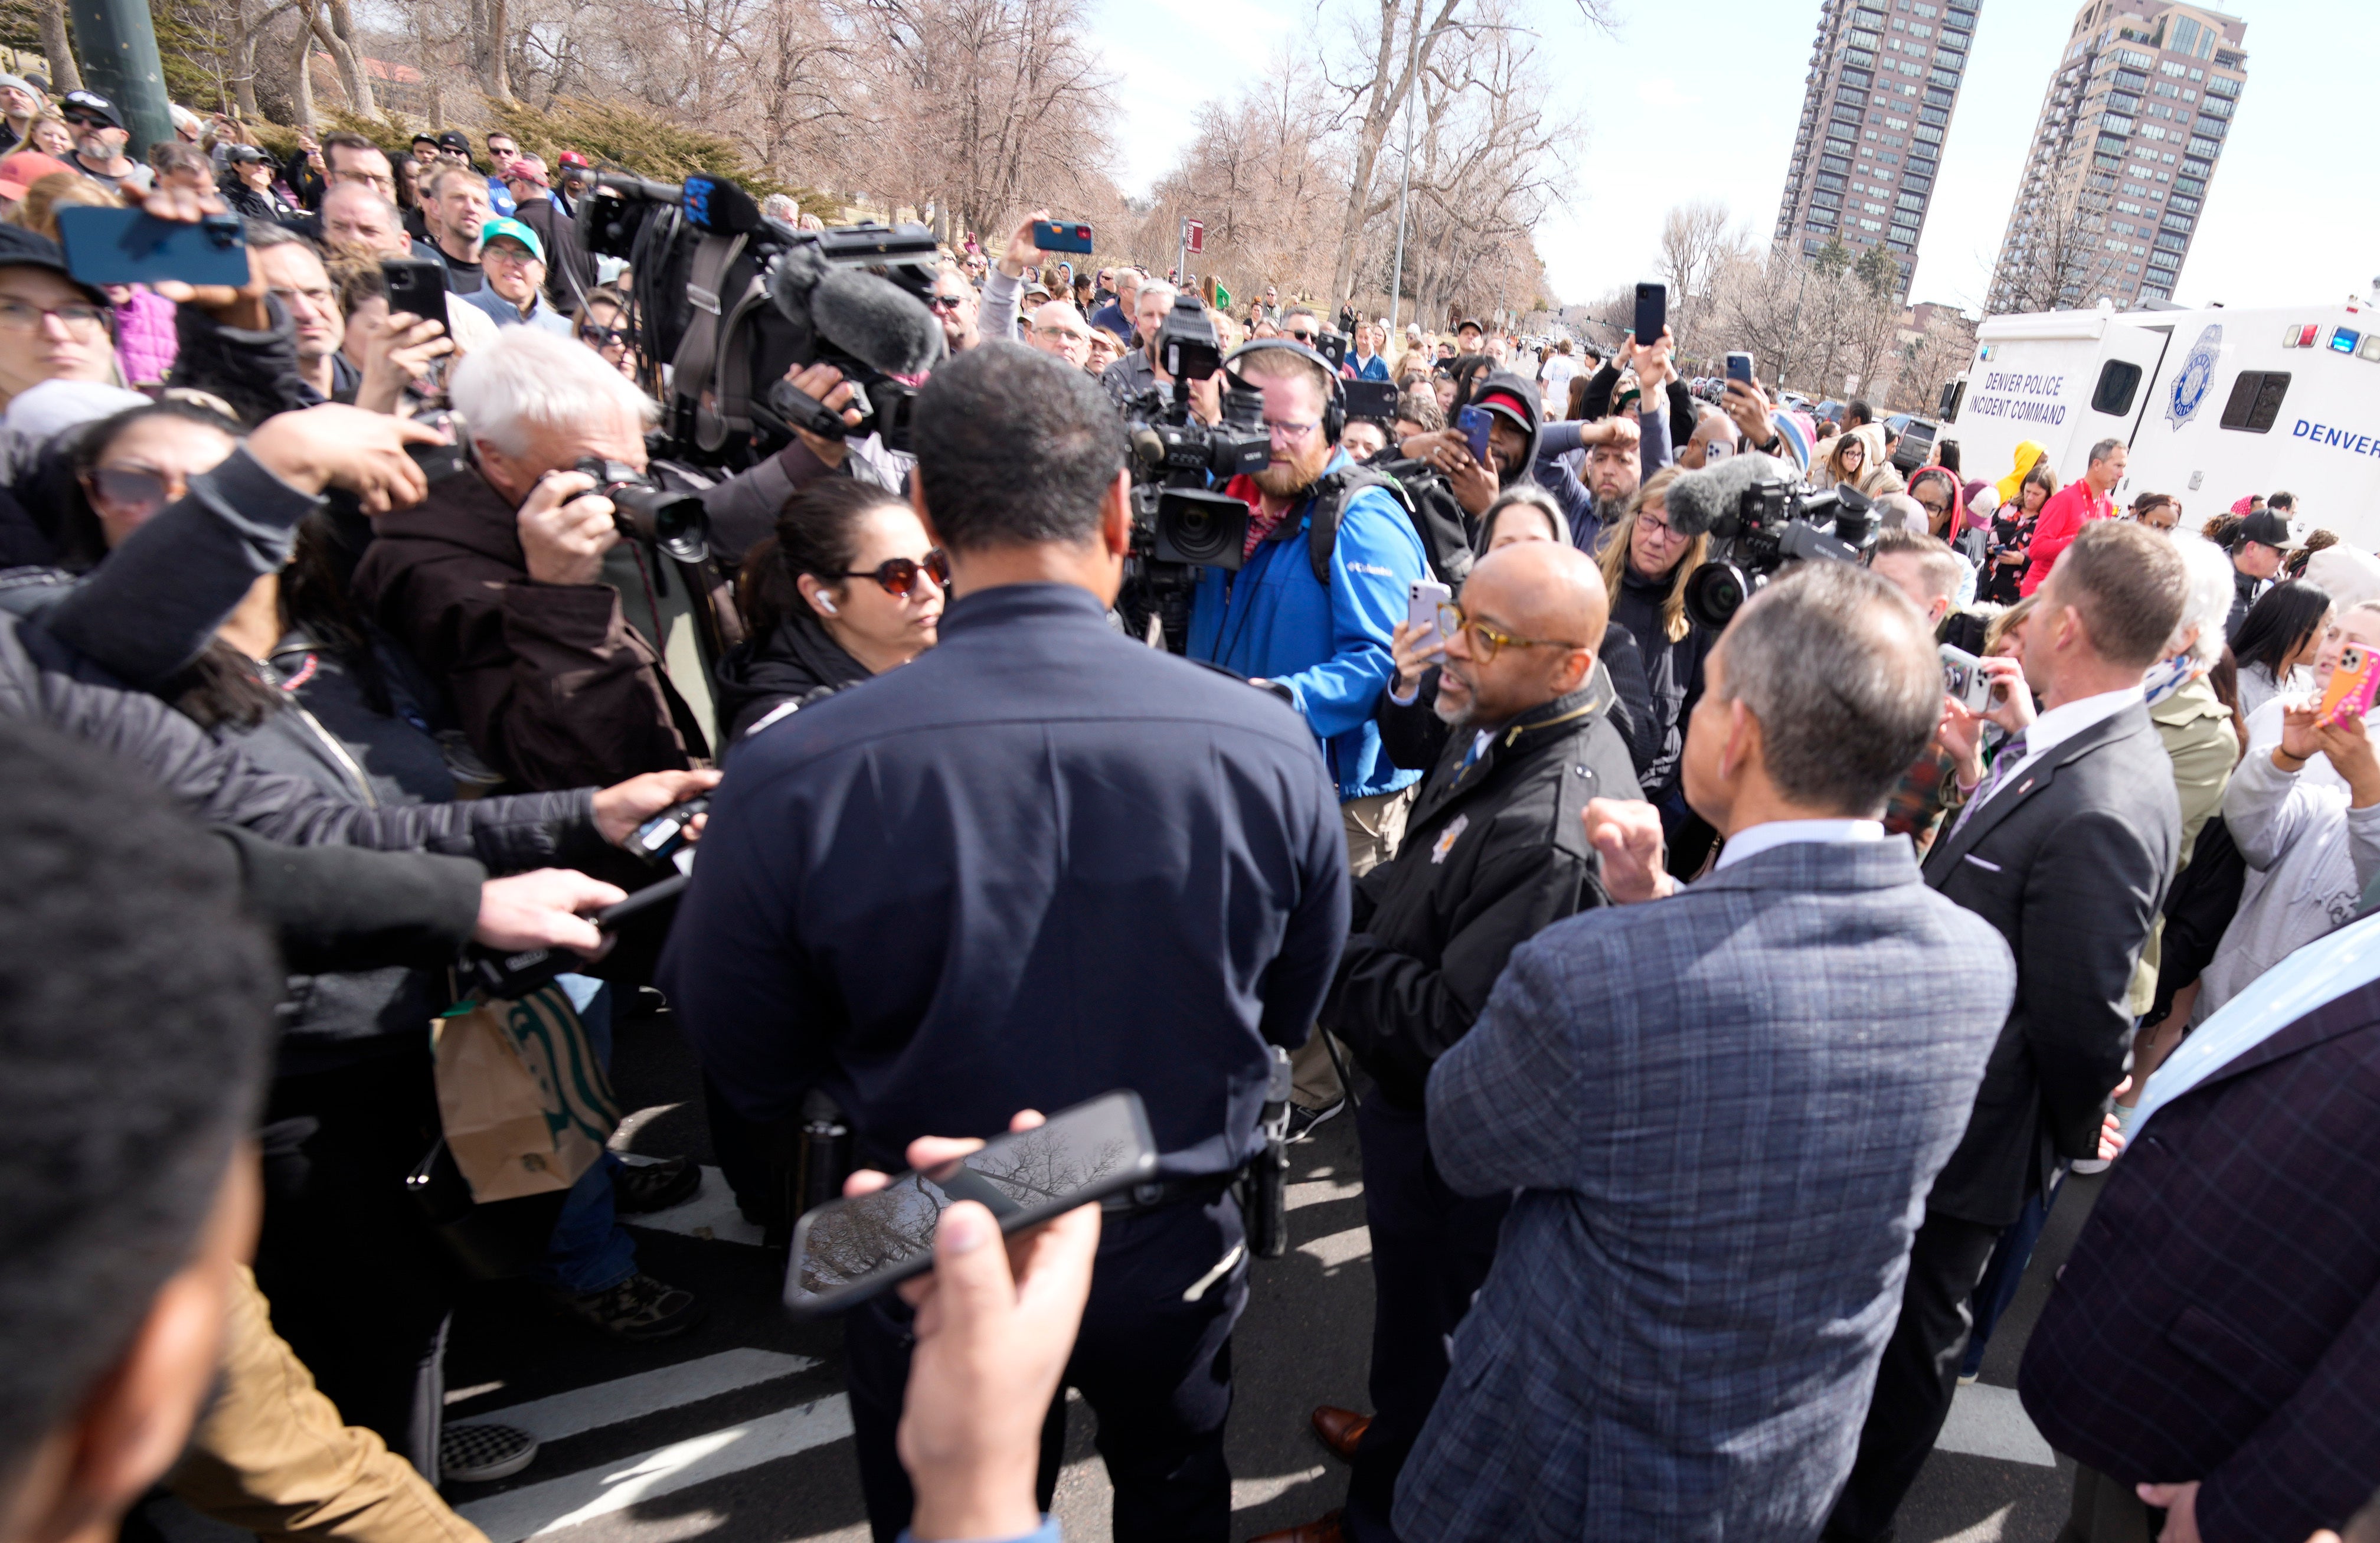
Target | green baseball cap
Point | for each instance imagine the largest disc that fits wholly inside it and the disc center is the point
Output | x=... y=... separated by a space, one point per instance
x=518 y=231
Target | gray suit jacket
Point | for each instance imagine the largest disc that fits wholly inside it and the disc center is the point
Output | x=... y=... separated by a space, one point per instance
x=1723 y=1112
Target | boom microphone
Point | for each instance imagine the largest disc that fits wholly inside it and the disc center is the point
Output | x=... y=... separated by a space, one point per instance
x=878 y=321
x=872 y=319
x=1698 y=500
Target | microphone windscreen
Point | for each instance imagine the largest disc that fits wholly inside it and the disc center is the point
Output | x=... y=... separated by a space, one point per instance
x=1698 y=500
x=876 y=320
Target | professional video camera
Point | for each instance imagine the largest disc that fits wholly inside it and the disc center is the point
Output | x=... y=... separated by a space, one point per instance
x=1178 y=524
x=731 y=300
x=1760 y=516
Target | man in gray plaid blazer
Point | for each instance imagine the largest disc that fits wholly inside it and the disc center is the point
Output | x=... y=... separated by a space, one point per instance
x=1722 y=1111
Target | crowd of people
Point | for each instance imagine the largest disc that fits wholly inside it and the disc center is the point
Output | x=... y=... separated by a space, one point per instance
x=1722 y=1011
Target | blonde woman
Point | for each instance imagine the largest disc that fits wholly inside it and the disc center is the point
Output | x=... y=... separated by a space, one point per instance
x=1645 y=565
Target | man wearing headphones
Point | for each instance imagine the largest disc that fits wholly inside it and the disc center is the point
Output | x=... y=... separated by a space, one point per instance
x=1322 y=644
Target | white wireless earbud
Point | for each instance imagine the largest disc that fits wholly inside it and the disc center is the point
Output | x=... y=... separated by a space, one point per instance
x=826 y=603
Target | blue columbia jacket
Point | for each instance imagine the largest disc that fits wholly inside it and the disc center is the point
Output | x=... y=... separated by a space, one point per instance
x=1329 y=646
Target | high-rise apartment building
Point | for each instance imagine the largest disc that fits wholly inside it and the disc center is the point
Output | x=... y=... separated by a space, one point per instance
x=1883 y=80
x=2130 y=131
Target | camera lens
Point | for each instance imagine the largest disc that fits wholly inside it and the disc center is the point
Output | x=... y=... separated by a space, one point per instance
x=1715 y=592
x=1204 y=530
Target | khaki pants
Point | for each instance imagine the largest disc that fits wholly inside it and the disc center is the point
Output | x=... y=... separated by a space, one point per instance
x=272 y=1456
x=1376 y=827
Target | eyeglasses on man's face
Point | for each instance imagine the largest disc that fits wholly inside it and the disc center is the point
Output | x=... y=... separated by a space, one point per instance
x=23 y=316
x=1485 y=641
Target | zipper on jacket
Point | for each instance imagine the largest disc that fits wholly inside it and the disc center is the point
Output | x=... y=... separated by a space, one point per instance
x=338 y=753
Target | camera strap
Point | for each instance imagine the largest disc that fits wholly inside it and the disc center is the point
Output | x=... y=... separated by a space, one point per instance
x=696 y=369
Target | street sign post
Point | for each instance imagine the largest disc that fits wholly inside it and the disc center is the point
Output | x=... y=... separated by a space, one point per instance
x=1194 y=239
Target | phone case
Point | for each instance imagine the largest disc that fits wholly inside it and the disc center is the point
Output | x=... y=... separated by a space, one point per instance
x=1138 y=1166
x=1473 y=421
x=125 y=246
x=2352 y=684
x=1054 y=235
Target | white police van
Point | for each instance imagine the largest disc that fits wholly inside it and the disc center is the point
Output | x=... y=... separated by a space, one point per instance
x=2214 y=405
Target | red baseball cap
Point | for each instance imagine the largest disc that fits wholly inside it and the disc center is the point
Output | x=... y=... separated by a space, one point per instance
x=572 y=158
x=26 y=167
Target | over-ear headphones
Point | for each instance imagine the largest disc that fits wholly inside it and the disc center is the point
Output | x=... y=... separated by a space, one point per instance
x=1334 y=411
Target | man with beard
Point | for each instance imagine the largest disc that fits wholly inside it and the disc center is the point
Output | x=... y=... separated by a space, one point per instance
x=1310 y=615
x=1496 y=851
x=1621 y=450
x=1515 y=415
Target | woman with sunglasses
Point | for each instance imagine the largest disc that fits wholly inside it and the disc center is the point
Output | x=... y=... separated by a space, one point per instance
x=601 y=323
x=848 y=588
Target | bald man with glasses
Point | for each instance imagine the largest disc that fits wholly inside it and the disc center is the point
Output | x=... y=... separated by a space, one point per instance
x=1058 y=328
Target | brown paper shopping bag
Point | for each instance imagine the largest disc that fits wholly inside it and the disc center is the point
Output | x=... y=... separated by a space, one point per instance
x=525 y=1104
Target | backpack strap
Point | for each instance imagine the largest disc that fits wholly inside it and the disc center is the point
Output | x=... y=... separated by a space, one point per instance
x=1331 y=495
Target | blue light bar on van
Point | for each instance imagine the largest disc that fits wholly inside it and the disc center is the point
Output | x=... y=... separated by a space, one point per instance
x=2344 y=339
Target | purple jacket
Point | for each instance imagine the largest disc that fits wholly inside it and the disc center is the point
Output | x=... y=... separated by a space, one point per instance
x=145 y=344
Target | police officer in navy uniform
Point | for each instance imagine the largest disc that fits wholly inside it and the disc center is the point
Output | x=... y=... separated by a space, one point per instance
x=1037 y=864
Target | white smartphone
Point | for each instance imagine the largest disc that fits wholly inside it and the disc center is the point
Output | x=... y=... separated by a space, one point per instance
x=1421 y=609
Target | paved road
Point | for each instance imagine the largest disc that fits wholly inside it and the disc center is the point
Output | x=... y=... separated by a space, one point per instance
x=738 y=1432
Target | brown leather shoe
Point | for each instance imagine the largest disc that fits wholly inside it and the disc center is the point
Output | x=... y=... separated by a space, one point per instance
x=1340 y=1429
x=1322 y=1529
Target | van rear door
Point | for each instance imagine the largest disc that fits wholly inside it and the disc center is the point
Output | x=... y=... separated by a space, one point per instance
x=2117 y=399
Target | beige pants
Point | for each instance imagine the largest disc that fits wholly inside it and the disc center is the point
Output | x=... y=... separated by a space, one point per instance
x=272 y=1456
x=1376 y=827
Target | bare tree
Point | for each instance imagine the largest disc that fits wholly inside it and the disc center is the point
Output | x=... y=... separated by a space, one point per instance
x=1391 y=48
x=336 y=26
x=64 y=72
x=1696 y=247
x=2057 y=255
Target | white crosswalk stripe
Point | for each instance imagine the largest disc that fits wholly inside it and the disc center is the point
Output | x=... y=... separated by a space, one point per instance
x=555 y=1503
x=648 y=1392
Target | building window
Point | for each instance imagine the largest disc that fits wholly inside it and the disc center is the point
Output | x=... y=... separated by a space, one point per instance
x=2255 y=401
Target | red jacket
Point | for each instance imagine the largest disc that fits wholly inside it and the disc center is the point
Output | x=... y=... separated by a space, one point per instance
x=2061 y=520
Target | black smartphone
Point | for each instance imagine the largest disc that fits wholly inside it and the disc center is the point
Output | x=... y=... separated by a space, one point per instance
x=417 y=286
x=1652 y=313
x=1061 y=236
x=492 y=977
x=667 y=834
x=1369 y=399
x=1331 y=345
x=126 y=245
x=1739 y=368
x=849 y=1250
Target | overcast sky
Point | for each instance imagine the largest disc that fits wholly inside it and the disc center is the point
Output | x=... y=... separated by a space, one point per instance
x=1697 y=99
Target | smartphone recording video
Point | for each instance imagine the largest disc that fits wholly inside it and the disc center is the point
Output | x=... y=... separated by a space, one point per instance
x=849 y=1250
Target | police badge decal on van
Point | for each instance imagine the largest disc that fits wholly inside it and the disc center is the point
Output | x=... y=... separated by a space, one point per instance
x=2190 y=387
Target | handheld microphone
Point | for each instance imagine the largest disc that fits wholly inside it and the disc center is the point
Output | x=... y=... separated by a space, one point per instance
x=1700 y=500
